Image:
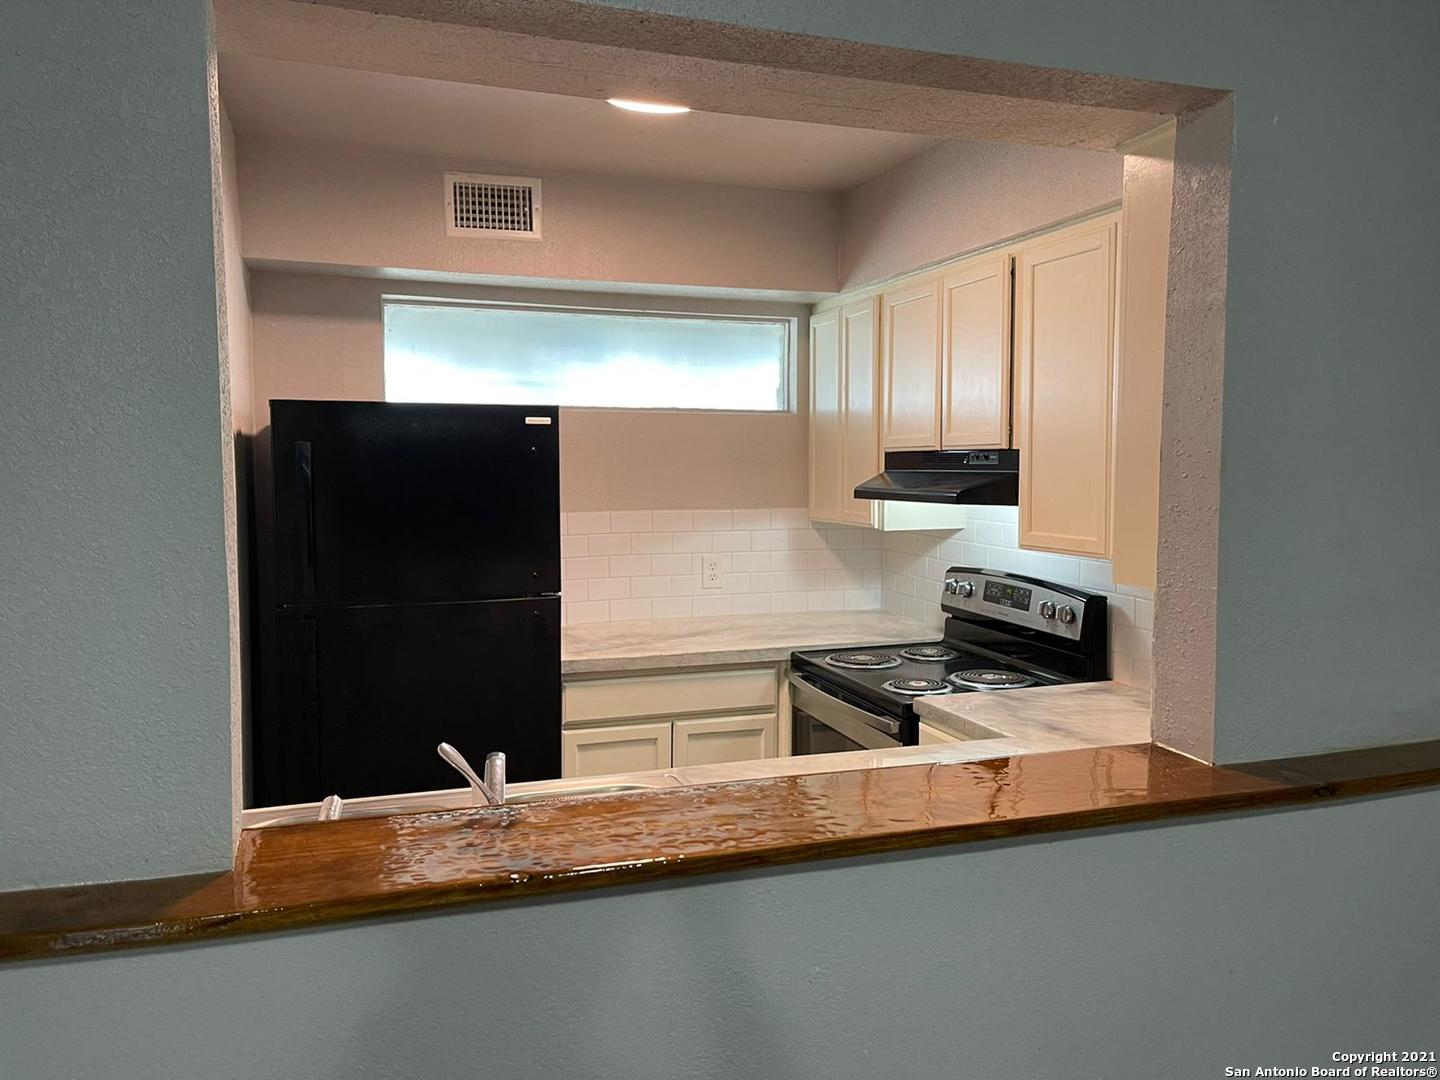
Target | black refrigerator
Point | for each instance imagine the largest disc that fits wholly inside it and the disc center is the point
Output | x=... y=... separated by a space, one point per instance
x=416 y=597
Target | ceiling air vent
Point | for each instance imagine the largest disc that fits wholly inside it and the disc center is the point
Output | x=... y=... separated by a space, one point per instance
x=495 y=206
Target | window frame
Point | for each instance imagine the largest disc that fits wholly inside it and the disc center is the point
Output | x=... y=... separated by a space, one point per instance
x=789 y=324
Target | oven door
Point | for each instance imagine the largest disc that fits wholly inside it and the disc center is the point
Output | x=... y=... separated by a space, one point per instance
x=823 y=724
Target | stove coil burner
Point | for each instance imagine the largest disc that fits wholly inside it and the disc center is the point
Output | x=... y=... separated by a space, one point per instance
x=990 y=679
x=934 y=654
x=917 y=687
x=863 y=661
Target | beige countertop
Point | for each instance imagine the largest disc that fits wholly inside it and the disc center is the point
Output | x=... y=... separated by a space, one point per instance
x=651 y=644
x=1045 y=717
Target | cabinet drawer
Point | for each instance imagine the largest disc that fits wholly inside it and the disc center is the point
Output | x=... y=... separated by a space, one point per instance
x=601 y=751
x=669 y=695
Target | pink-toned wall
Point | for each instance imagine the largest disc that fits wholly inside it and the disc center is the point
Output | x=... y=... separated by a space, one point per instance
x=320 y=336
x=959 y=195
x=333 y=206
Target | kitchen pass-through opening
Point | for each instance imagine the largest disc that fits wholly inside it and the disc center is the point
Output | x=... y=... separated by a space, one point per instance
x=1011 y=628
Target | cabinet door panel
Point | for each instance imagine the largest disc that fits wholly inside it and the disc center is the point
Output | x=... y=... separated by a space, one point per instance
x=911 y=362
x=1066 y=393
x=861 y=420
x=976 y=403
x=716 y=740
x=826 y=432
x=600 y=751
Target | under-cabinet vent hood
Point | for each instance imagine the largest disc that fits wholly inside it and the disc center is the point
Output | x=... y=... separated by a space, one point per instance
x=955 y=477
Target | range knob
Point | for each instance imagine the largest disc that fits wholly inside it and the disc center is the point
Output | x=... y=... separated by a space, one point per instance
x=1066 y=614
x=1047 y=609
x=956 y=587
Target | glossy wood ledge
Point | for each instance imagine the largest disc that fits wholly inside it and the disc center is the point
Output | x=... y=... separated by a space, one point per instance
x=306 y=875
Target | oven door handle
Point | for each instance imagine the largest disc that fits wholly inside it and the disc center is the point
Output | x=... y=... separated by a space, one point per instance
x=809 y=698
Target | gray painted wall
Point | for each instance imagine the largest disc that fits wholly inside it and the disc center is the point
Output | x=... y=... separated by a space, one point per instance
x=1331 y=384
x=1169 y=951
x=1164 y=952
x=114 y=742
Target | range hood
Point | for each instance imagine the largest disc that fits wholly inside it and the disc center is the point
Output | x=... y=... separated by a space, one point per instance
x=950 y=477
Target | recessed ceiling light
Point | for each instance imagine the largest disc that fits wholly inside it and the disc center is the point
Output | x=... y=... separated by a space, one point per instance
x=653 y=107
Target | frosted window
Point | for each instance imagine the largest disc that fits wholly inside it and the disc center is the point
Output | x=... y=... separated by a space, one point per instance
x=545 y=356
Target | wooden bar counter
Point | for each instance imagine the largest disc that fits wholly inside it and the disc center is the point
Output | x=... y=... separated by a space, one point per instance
x=307 y=875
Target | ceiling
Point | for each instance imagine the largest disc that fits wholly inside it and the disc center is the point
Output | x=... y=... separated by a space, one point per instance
x=470 y=123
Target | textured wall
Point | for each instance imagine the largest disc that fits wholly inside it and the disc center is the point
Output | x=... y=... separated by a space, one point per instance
x=114 y=737
x=233 y=297
x=960 y=195
x=334 y=206
x=1154 y=952
x=1330 y=384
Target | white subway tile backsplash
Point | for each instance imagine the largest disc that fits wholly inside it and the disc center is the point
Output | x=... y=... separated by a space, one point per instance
x=711 y=605
x=789 y=519
x=629 y=609
x=611 y=588
x=673 y=520
x=589 y=521
x=652 y=543
x=585 y=568
x=631 y=521
x=609 y=544
x=694 y=541
x=751 y=561
x=588 y=611
x=632 y=565
x=732 y=541
x=685 y=585
x=750 y=519
x=650 y=586
x=674 y=564
x=710 y=520
x=638 y=564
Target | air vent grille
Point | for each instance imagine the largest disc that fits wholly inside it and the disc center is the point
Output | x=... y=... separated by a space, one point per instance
x=477 y=205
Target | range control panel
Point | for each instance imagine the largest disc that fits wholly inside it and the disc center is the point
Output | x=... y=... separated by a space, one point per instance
x=1012 y=599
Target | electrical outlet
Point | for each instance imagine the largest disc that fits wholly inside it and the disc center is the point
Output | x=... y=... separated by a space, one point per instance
x=711 y=574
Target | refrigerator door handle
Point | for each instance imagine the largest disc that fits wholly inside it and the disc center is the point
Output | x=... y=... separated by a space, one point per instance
x=305 y=477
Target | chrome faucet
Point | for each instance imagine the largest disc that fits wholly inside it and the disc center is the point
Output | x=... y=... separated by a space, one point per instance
x=492 y=788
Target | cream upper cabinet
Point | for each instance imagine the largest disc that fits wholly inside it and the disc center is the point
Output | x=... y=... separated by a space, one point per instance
x=1065 y=354
x=910 y=352
x=861 y=422
x=975 y=404
x=826 y=430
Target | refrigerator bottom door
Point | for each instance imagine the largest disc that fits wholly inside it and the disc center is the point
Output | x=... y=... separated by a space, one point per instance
x=367 y=693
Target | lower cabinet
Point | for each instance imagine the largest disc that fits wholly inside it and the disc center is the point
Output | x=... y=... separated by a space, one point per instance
x=713 y=740
x=599 y=751
x=636 y=723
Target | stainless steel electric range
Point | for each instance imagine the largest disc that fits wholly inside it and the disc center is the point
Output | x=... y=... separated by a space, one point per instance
x=1002 y=632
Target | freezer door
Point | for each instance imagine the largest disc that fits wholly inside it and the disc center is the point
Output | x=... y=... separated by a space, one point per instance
x=396 y=503
x=368 y=692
